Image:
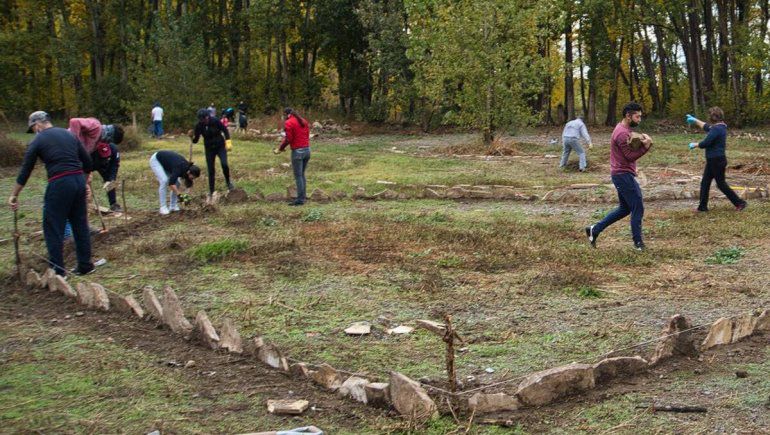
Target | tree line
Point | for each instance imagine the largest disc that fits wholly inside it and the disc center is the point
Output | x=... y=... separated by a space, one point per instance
x=489 y=65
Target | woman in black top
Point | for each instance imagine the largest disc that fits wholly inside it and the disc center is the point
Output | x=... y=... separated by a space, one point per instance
x=215 y=137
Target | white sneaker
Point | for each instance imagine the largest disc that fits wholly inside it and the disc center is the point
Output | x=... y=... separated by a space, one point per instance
x=164 y=210
x=174 y=208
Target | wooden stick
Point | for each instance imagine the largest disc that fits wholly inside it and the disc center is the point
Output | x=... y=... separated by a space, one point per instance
x=123 y=194
x=674 y=408
x=449 y=339
x=98 y=211
x=16 y=242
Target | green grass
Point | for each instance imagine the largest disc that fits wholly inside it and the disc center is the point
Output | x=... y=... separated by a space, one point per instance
x=219 y=250
x=729 y=255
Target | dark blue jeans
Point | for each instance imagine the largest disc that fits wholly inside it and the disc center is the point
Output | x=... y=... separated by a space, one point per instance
x=157 y=128
x=65 y=199
x=630 y=198
x=299 y=159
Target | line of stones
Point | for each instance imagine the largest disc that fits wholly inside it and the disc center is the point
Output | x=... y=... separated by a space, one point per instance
x=407 y=396
x=571 y=194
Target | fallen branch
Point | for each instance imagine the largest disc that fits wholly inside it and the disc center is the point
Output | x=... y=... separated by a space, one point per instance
x=673 y=408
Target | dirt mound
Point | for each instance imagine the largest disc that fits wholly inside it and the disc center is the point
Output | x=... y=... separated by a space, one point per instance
x=497 y=148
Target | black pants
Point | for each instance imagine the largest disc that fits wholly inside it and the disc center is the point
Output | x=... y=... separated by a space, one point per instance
x=65 y=199
x=211 y=154
x=715 y=170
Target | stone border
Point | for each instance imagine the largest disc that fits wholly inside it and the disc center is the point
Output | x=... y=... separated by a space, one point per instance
x=407 y=396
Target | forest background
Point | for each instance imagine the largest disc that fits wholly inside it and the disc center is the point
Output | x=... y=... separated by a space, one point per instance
x=492 y=66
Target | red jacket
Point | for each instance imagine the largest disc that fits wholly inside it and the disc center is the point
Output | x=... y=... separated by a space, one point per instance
x=296 y=135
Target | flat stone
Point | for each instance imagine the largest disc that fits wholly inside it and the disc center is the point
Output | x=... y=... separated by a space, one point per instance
x=721 y=332
x=410 y=399
x=386 y=194
x=101 y=301
x=236 y=196
x=300 y=370
x=431 y=194
x=676 y=341
x=47 y=280
x=63 y=287
x=610 y=368
x=482 y=403
x=359 y=328
x=288 y=407
x=33 y=279
x=204 y=331
x=548 y=385
x=151 y=302
x=399 y=330
x=125 y=304
x=271 y=356
x=388 y=183
x=456 y=192
x=85 y=294
x=763 y=322
x=173 y=315
x=327 y=377
x=377 y=393
x=480 y=194
x=319 y=195
x=743 y=326
x=230 y=338
x=354 y=387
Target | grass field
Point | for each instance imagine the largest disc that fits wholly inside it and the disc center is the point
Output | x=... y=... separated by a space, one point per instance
x=522 y=285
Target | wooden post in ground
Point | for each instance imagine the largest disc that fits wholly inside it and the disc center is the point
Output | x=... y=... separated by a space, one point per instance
x=449 y=339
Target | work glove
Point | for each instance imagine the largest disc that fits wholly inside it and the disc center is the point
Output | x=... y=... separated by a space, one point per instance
x=184 y=198
x=109 y=185
x=690 y=119
x=276 y=150
x=693 y=145
x=229 y=144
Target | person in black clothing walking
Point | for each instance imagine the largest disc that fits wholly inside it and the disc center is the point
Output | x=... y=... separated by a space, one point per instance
x=716 y=158
x=66 y=162
x=215 y=135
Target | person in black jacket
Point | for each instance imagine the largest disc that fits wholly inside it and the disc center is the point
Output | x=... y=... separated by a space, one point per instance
x=215 y=135
x=66 y=162
x=170 y=167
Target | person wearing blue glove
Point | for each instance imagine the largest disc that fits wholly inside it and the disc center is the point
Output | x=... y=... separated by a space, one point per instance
x=716 y=158
x=692 y=145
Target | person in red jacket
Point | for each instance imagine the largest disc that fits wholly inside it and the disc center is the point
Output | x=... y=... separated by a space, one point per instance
x=298 y=137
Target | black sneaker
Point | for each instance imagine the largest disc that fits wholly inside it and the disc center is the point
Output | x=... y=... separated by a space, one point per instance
x=591 y=236
x=639 y=246
x=80 y=272
x=296 y=203
x=230 y=186
x=116 y=208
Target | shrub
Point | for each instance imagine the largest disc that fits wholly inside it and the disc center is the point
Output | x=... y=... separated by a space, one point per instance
x=314 y=215
x=132 y=140
x=729 y=255
x=11 y=151
x=215 y=251
x=589 y=292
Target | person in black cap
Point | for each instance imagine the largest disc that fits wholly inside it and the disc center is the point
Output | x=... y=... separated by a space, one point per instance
x=215 y=136
x=66 y=162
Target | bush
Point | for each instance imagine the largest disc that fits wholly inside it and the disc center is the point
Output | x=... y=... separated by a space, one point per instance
x=11 y=151
x=132 y=140
x=220 y=250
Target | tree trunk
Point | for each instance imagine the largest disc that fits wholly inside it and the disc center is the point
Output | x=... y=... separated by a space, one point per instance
x=663 y=64
x=708 y=63
x=584 y=109
x=649 y=70
x=569 y=83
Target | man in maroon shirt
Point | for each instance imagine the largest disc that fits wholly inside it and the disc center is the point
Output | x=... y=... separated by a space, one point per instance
x=623 y=170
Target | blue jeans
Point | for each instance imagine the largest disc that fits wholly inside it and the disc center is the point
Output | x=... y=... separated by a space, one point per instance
x=572 y=143
x=630 y=198
x=157 y=128
x=65 y=199
x=299 y=159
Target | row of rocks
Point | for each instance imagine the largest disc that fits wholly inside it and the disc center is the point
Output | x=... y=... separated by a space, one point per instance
x=580 y=193
x=677 y=339
x=407 y=396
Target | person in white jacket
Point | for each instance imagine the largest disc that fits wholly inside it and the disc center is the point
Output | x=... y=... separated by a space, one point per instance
x=573 y=132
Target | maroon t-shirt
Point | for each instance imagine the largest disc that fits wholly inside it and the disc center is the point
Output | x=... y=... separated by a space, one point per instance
x=622 y=157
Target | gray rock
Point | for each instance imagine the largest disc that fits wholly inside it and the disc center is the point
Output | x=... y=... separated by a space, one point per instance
x=610 y=368
x=678 y=340
x=271 y=356
x=33 y=279
x=204 y=331
x=743 y=327
x=763 y=322
x=410 y=399
x=230 y=338
x=549 y=385
x=300 y=370
x=327 y=377
x=151 y=302
x=173 y=315
x=47 y=280
x=485 y=403
x=289 y=407
x=359 y=328
x=721 y=332
x=63 y=287
x=354 y=387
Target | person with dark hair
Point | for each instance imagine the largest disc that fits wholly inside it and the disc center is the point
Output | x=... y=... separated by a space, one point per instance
x=716 y=158
x=298 y=137
x=623 y=159
x=157 y=120
x=216 y=140
x=169 y=168
x=66 y=161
